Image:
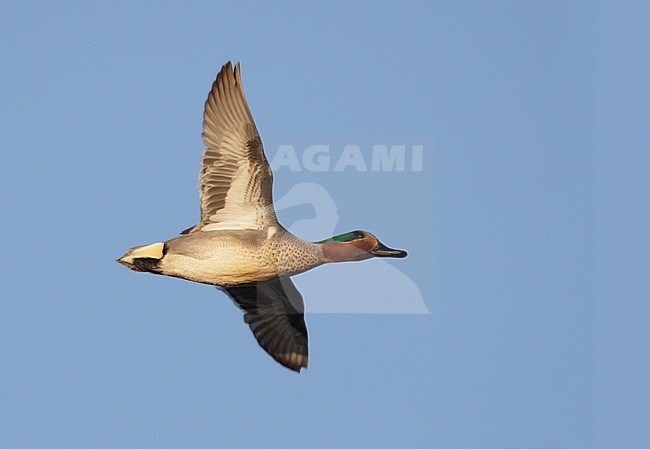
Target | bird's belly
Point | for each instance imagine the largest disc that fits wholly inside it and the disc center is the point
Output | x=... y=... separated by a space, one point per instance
x=226 y=268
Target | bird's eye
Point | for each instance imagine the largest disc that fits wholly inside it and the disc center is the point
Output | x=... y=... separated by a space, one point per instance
x=358 y=235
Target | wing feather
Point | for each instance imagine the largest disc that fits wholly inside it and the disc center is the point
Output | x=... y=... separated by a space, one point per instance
x=235 y=182
x=274 y=311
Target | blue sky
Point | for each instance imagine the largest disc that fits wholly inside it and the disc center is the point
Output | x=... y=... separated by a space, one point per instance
x=102 y=107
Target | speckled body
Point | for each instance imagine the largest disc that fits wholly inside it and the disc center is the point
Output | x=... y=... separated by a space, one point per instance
x=228 y=258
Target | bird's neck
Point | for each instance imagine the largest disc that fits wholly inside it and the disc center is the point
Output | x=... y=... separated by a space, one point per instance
x=341 y=252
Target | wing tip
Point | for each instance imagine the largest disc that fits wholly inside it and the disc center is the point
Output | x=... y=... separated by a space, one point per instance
x=232 y=73
x=227 y=79
x=228 y=70
x=292 y=360
x=238 y=74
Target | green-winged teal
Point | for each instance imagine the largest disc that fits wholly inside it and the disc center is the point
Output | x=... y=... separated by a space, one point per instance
x=238 y=244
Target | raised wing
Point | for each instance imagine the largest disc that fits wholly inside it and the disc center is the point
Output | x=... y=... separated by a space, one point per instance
x=274 y=310
x=235 y=182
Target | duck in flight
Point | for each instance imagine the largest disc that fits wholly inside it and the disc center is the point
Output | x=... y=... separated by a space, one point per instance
x=238 y=244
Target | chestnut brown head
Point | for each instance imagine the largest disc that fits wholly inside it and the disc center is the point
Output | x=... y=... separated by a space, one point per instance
x=356 y=245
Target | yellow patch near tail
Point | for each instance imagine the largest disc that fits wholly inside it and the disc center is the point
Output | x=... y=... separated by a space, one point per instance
x=153 y=251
